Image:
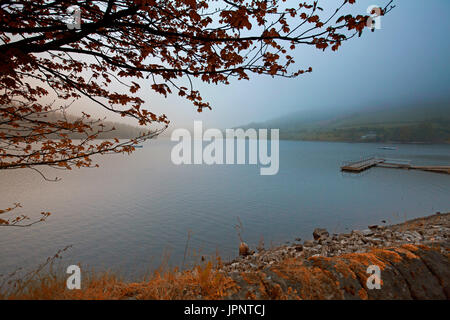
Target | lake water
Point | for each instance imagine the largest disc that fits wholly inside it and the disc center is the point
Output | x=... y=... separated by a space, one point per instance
x=134 y=210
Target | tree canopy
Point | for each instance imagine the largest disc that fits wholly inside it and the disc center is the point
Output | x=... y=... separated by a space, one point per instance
x=46 y=63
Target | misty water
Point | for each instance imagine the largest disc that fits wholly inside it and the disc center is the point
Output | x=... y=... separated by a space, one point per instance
x=135 y=210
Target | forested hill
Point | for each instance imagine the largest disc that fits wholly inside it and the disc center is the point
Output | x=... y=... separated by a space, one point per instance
x=121 y=130
x=424 y=123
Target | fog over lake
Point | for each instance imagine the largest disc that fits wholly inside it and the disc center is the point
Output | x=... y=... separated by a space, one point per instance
x=130 y=212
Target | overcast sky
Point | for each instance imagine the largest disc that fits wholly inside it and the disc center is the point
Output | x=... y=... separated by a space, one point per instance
x=405 y=61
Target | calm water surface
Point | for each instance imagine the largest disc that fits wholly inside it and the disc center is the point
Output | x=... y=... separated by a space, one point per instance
x=133 y=210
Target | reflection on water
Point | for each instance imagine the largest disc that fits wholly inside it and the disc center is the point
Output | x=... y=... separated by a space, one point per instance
x=132 y=210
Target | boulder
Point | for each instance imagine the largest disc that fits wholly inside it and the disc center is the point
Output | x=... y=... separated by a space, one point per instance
x=407 y=272
x=319 y=232
x=244 y=250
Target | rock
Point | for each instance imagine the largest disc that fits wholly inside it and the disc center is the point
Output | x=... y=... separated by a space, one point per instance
x=417 y=235
x=244 y=249
x=308 y=243
x=376 y=241
x=342 y=236
x=433 y=231
x=368 y=232
x=324 y=239
x=298 y=239
x=318 y=232
x=356 y=233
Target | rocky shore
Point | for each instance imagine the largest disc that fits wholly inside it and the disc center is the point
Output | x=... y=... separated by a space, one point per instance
x=432 y=230
x=413 y=257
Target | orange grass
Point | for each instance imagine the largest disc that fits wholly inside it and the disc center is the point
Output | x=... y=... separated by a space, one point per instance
x=205 y=281
x=201 y=282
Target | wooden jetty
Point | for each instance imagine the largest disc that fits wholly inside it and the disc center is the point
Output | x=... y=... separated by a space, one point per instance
x=439 y=169
x=361 y=165
x=367 y=163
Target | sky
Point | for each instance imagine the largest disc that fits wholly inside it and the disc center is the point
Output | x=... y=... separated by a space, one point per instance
x=404 y=62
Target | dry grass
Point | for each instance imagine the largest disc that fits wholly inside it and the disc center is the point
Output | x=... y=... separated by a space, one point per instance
x=202 y=282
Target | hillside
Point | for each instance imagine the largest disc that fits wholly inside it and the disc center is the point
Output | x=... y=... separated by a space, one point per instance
x=421 y=123
x=121 y=130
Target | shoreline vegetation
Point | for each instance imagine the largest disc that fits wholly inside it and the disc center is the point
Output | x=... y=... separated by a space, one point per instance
x=419 y=133
x=422 y=123
x=413 y=258
x=349 y=129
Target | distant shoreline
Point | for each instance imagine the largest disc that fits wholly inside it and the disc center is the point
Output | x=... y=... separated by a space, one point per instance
x=373 y=142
